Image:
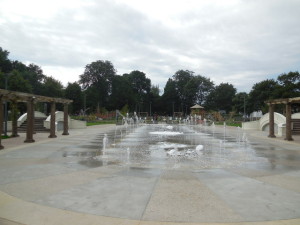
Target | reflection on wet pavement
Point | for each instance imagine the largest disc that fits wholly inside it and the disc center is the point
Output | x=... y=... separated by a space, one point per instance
x=176 y=147
x=159 y=173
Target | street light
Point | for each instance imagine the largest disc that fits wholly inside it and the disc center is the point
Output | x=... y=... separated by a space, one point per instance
x=5 y=108
x=173 y=110
x=84 y=103
x=244 y=109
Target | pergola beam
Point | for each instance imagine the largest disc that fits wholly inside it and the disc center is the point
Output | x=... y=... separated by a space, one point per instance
x=283 y=101
x=25 y=97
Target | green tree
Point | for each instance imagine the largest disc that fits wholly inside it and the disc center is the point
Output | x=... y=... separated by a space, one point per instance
x=73 y=92
x=221 y=97
x=197 y=89
x=34 y=74
x=289 y=85
x=155 y=103
x=52 y=88
x=17 y=83
x=90 y=96
x=154 y=90
x=98 y=76
x=181 y=78
x=240 y=101
x=5 y=63
x=122 y=93
x=140 y=86
x=19 y=66
x=261 y=92
x=170 y=98
x=5 y=67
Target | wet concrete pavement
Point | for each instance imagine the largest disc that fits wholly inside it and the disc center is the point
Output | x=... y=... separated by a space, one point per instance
x=72 y=180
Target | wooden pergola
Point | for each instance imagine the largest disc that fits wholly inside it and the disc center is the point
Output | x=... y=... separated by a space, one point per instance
x=198 y=109
x=15 y=97
x=288 y=104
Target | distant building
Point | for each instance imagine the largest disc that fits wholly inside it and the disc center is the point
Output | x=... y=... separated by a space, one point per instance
x=256 y=115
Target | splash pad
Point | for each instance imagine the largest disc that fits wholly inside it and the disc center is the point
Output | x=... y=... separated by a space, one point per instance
x=179 y=146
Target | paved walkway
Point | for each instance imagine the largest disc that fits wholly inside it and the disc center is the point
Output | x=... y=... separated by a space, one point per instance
x=68 y=180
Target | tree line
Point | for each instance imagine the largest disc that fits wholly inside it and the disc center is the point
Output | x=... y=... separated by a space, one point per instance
x=100 y=88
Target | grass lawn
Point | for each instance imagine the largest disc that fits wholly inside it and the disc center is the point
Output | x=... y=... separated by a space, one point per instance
x=233 y=124
x=101 y=122
x=5 y=137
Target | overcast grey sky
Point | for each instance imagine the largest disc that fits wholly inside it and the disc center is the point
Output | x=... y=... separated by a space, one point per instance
x=241 y=42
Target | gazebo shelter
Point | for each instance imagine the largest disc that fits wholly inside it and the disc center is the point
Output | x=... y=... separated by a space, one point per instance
x=288 y=105
x=198 y=110
x=15 y=97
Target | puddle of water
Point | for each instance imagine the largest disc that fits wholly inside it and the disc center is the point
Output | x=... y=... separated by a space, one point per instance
x=92 y=163
x=82 y=154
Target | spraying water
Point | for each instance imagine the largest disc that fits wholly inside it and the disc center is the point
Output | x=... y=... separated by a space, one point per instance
x=104 y=144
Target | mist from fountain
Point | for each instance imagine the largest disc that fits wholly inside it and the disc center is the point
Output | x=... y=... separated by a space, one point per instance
x=104 y=144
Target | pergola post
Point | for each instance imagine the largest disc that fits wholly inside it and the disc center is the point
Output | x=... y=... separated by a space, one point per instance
x=30 y=121
x=271 y=121
x=14 y=119
x=1 y=122
x=33 y=118
x=288 y=131
x=52 y=121
x=66 y=125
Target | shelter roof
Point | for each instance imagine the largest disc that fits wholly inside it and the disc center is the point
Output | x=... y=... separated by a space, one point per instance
x=7 y=95
x=197 y=107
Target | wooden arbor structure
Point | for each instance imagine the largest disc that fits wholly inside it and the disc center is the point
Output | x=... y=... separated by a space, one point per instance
x=288 y=105
x=15 y=97
x=198 y=110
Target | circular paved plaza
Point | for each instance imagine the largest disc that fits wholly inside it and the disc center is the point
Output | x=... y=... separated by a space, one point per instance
x=152 y=174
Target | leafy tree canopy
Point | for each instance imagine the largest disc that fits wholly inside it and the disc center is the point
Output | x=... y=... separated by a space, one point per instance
x=17 y=83
x=240 y=101
x=155 y=90
x=181 y=78
x=221 y=97
x=98 y=76
x=52 y=87
x=73 y=92
x=140 y=84
x=122 y=93
x=99 y=73
x=197 y=89
x=290 y=85
x=261 y=92
x=5 y=63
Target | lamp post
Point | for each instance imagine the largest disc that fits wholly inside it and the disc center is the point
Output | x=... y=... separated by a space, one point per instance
x=5 y=108
x=150 y=109
x=84 y=103
x=244 y=109
x=185 y=110
x=173 y=111
x=139 y=108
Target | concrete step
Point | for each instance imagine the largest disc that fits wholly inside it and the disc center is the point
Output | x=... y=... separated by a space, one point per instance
x=38 y=126
x=296 y=126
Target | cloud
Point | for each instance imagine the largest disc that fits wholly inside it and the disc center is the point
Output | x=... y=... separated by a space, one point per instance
x=237 y=41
